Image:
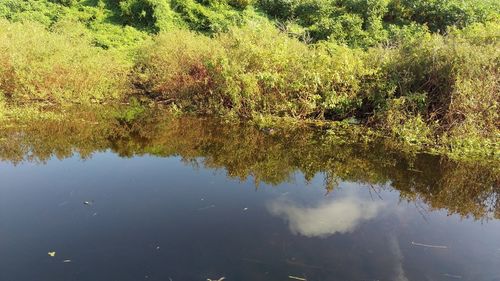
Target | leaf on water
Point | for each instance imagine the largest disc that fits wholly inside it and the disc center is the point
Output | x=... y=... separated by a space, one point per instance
x=52 y=254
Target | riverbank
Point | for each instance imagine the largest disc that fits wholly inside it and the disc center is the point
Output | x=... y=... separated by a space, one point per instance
x=423 y=89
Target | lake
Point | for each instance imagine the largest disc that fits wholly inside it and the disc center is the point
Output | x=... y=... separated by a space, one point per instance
x=181 y=199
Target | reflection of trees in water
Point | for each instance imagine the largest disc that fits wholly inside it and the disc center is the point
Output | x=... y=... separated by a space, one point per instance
x=468 y=189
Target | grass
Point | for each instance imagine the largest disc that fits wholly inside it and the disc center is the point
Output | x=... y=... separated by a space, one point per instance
x=38 y=66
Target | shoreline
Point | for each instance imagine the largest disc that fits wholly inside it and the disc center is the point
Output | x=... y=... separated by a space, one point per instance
x=329 y=131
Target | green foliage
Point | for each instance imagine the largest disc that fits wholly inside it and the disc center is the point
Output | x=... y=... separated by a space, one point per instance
x=253 y=70
x=153 y=14
x=422 y=91
x=439 y=15
x=44 y=12
x=43 y=66
x=214 y=16
x=267 y=72
x=363 y=23
x=177 y=66
x=357 y=23
x=409 y=68
x=403 y=120
x=241 y=4
x=450 y=71
x=67 y=3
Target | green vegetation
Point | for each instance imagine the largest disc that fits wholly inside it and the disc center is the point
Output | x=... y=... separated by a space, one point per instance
x=425 y=72
x=49 y=67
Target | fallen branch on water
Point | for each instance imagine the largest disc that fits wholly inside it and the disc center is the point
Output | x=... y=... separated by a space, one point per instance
x=429 y=246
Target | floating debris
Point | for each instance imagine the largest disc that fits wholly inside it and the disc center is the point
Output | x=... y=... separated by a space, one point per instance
x=300 y=264
x=63 y=203
x=207 y=207
x=452 y=276
x=220 y=279
x=157 y=248
x=414 y=170
x=52 y=254
x=67 y=261
x=296 y=278
x=429 y=246
x=245 y=209
x=94 y=214
x=88 y=203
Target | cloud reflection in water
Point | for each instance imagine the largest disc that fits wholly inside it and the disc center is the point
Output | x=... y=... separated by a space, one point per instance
x=342 y=215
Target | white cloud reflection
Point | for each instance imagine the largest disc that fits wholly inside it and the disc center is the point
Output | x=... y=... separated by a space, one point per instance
x=338 y=216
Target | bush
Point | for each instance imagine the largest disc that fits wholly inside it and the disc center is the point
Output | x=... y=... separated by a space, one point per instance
x=280 y=9
x=178 y=66
x=267 y=72
x=365 y=23
x=153 y=14
x=43 y=12
x=253 y=70
x=439 y=15
x=41 y=66
x=241 y=4
x=457 y=78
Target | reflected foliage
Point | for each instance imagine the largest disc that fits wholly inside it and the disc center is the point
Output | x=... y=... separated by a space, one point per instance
x=270 y=156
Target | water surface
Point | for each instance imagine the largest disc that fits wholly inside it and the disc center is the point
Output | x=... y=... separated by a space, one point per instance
x=197 y=199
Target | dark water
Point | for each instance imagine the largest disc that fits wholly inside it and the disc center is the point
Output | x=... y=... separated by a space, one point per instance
x=192 y=199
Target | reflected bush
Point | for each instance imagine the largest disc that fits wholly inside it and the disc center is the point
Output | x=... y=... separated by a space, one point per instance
x=244 y=152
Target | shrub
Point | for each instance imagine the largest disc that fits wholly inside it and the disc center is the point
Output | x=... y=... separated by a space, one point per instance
x=209 y=16
x=241 y=4
x=154 y=14
x=177 y=66
x=439 y=15
x=68 y=3
x=267 y=72
x=252 y=70
x=280 y=9
x=38 y=65
x=457 y=75
x=43 y=12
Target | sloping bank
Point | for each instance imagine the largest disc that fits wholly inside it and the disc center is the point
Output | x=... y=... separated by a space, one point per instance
x=427 y=91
